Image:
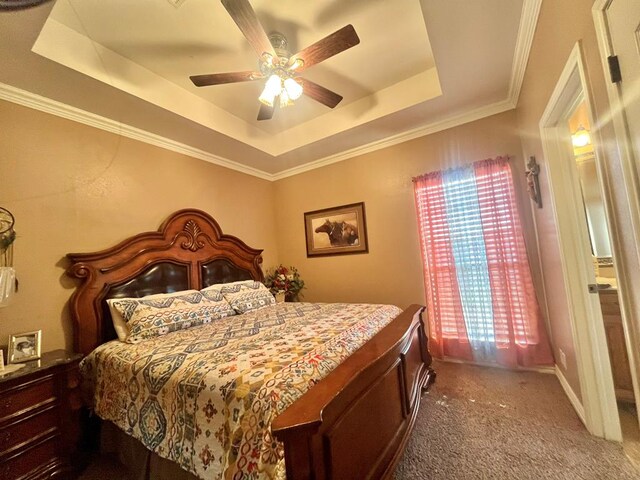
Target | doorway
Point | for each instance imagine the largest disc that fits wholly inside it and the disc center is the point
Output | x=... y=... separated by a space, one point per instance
x=595 y=402
x=606 y=276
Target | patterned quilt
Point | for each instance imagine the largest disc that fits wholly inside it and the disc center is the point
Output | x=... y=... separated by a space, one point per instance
x=205 y=397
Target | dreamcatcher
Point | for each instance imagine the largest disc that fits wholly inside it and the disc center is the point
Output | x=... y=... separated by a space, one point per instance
x=7 y=273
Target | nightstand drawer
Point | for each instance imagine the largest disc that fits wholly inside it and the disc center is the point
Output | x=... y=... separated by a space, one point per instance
x=27 y=396
x=40 y=419
x=19 y=465
x=28 y=427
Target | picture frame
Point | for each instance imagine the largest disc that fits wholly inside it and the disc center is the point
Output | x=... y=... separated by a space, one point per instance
x=336 y=231
x=24 y=347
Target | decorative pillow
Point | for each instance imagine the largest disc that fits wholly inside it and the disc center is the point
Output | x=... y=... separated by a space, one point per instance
x=119 y=324
x=245 y=295
x=156 y=315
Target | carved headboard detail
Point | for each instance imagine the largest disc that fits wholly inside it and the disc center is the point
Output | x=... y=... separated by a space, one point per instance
x=189 y=251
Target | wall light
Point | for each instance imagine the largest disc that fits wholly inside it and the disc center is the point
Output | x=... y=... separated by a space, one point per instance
x=581 y=137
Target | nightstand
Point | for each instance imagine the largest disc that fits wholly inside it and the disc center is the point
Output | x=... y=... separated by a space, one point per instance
x=40 y=418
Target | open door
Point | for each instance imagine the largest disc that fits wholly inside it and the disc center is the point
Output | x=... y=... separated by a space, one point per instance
x=618 y=29
x=621 y=22
x=596 y=401
x=606 y=277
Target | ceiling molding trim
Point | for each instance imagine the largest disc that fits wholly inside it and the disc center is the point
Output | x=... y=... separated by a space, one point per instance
x=526 y=31
x=422 y=131
x=59 y=109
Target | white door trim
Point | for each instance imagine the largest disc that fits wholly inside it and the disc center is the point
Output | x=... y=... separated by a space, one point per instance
x=594 y=369
x=632 y=191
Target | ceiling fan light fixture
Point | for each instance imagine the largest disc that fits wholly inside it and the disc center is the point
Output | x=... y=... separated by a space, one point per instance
x=285 y=100
x=267 y=98
x=297 y=63
x=275 y=61
x=293 y=88
x=267 y=61
x=272 y=89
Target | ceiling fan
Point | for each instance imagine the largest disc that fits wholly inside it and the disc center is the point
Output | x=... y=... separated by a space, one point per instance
x=19 y=4
x=278 y=65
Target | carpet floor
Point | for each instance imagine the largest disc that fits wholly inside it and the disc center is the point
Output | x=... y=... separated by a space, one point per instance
x=488 y=423
x=485 y=423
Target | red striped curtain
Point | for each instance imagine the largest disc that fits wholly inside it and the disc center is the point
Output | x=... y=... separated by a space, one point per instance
x=518 y=337
x=446 y=323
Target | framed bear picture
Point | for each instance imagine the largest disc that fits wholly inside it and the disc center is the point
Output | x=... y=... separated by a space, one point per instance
x=336 y=231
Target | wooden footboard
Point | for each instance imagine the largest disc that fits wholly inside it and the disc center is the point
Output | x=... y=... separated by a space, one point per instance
x=354 y=424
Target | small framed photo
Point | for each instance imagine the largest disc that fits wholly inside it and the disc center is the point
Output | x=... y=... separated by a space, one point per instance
x=336 y=230
x=24 y=347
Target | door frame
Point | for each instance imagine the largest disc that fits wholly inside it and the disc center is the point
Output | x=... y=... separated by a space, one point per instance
x=599 y=408
x=631 y=184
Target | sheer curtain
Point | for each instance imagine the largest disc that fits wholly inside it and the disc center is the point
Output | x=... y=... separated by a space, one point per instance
x=481 y=301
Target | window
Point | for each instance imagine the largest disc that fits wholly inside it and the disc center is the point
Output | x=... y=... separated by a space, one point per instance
x=481 y=301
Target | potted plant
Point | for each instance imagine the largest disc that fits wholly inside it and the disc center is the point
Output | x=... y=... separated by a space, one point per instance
x=284 y=281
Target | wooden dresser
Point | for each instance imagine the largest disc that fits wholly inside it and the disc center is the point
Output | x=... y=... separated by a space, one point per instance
x=617 y=347
x=40 y=418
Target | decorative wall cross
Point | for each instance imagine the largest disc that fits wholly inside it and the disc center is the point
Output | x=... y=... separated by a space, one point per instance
x=533 y=185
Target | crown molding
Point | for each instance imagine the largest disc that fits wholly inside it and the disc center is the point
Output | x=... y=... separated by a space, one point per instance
x=59 y=109
x=528 y=22
x=526 y=31
x=477 y=114
x=43 y=104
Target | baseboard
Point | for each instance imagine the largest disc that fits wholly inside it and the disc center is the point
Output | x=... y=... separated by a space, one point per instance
x=577 y=405
x=545 y=370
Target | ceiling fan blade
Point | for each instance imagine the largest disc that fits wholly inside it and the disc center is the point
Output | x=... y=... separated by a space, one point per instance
x=319 y=93
x=329 y=46
x=220 y=78
x=265 y=112
x=248 y=23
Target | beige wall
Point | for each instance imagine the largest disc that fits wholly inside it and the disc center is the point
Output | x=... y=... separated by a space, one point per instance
x=561 y=25
x=74 y=188
x=391 y=272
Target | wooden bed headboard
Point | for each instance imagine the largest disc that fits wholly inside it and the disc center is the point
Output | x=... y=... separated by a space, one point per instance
x=189 y=251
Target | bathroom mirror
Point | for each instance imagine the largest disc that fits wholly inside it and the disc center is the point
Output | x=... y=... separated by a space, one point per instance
x=594 y=206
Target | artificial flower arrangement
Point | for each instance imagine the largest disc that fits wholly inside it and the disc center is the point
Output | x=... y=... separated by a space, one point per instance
x=284 y=280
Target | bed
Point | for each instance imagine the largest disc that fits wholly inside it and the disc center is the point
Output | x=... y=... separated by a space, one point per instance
x=348 y=417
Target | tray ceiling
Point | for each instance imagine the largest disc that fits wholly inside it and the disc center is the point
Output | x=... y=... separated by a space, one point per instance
x=419 y=64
